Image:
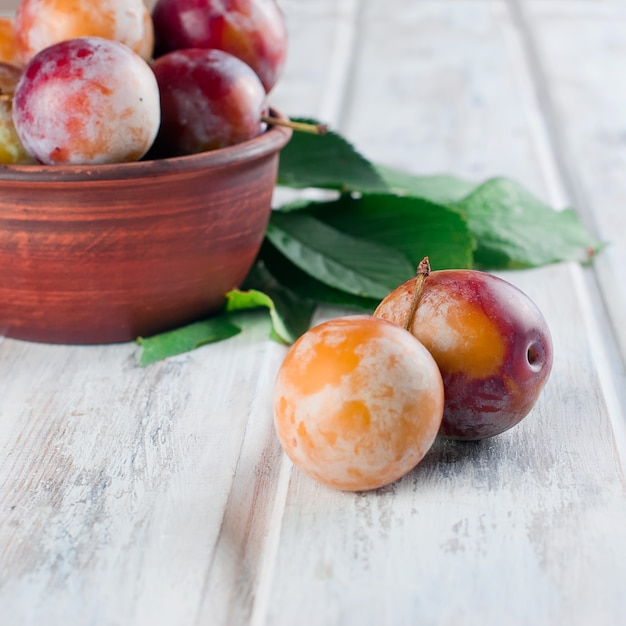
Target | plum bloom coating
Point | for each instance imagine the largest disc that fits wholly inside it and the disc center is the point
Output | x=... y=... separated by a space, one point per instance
x=357 y=402
x=87 y=101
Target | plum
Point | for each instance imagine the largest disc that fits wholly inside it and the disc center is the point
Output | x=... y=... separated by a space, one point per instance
x=41 y=23
x=85 y=101
x=11 y=148
x=358 y=402
x=209 y=100
x=8 y=42
x=491 y=343
x=252 y=30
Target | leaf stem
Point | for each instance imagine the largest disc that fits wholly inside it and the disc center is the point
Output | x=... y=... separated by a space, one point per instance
x=423 y=270
x=303 y=127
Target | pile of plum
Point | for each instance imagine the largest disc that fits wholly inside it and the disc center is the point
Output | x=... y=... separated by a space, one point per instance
x=454 y=354
x=108 y=81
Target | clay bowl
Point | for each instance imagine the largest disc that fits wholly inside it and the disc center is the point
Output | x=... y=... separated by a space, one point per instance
x=108 y=253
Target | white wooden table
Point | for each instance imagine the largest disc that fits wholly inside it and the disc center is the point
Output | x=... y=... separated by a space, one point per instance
x=159 y=496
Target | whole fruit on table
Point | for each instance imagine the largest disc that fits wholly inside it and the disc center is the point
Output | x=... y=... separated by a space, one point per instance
x=41 y=23
x=209 y=100
x=357 y=402
x=490 y=341
x=252 y=30
x=85 y=101
x=11 y=148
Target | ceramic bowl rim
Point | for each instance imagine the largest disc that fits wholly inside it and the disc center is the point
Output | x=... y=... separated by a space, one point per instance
x=271 y=140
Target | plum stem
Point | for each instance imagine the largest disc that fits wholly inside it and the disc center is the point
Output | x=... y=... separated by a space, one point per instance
x=303 y=127
x=423 y=270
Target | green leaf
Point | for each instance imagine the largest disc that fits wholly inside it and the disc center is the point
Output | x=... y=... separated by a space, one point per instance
x=290 y=314
x=440 y=189
x=338 y=260
x=325 y=161
x=185 y=339
x=307 y=287
x=414 y=226
x=352 y=251
x=514 y=229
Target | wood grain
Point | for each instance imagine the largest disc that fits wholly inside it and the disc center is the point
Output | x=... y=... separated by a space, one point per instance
x=474 y=531
x=584 y=106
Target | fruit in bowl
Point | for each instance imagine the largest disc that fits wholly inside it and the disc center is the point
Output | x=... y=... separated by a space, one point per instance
x=42 y=23
x=11 y=148
x=252 y=30
x=209 y=100
x=88 y=95
x=87 y=100
x=8 y=42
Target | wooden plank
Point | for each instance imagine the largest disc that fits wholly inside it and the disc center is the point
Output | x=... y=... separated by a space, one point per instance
x=525 y=528
x=321 y=42
x=579 y=56
x=433 y=92
x=114 y=479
